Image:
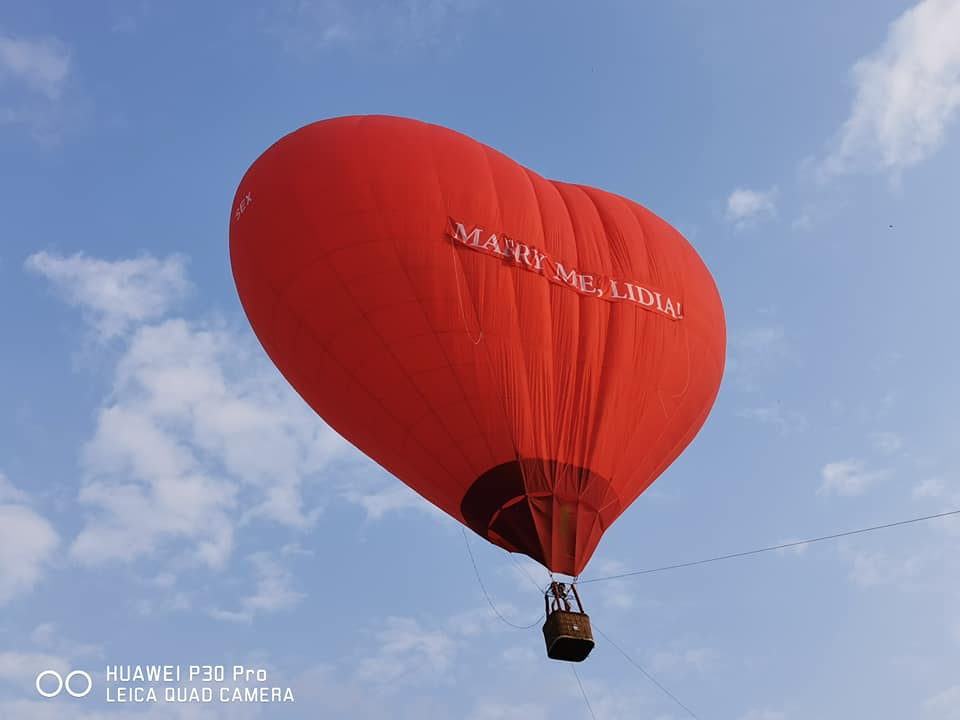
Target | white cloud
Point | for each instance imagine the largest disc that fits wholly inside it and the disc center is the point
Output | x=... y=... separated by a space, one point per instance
x=10 y=494
x=615 y=595
x=22 y=668
x=745 y=206
x=198 y=435
x=755 y=352
x=27 y=543
x=799 y=549
x=35 y=88
x=274 y=591
x=394 y=497
x=308 y=26
x=492 y=710
x=877 y=569
x=43 y=634
x=695 y=659
x=945 y=705
x=848 y=478
x=42 y=66
x=115 y=294
x=764 y=715
x=887 y=443
x=408 y=653
x=59 y=709
x=148 y=491
x=762 y=340
x=929 y=488
x=55 y=641
x=949 y=525
x=786 y=421
x=617 y=598
x=907 y=93
x=483 y=621
x=525 y=573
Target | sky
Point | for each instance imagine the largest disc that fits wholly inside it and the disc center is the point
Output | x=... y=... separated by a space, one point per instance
x=165 y=497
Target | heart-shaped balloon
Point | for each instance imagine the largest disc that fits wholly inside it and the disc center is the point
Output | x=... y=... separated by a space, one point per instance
x=528 y=355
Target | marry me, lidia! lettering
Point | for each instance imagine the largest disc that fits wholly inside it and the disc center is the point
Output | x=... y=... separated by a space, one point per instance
x=535 y=260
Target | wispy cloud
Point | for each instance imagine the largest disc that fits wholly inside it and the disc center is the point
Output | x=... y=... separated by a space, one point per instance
x=764 y=715
x=115 y=295
x=877 y=568
x=393 y=497
x=34 y=82
x=493 y=710
x=27 y=542
x=273 y=591
x=848 y=478
x=56 y=641
x=929 y=488
x=787 y=422
x=21 y=668
x=686 y=660
x=762 y=340
x=887 y=443
x=754 y=352
x=41 y=66
x=945 y=705
x=408 y=653
x=800 y=549
x=615 y=595
x=308 y=26
x=907 y=93
x=745 y=207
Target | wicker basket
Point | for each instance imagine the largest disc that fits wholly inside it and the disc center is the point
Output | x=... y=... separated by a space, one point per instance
x=568 y=636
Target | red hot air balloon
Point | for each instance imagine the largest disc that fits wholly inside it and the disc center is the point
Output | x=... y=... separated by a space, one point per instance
x=528 y=355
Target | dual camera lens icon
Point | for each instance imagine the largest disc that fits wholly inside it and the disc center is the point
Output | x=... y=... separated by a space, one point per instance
x=74 y=687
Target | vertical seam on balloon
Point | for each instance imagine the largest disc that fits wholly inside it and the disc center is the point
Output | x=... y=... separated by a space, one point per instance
x=546 y=548
x=496 y=194
x=654 y=275
x=640 y=323
x=587 y=400
x=550 y=354
x=563 y=409
x=580 y=360
x=546 y=289
x=555 y=187
x=513 y=296
x=527 y=379
x=612 y=494
x=476 y=420
x=601 y=398
x=645 y=358
x=610 y=310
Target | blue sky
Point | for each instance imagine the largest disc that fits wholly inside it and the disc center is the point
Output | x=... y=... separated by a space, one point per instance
x=166 y=498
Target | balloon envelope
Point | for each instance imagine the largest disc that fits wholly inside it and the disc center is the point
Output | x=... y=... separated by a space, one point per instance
x=528 y=355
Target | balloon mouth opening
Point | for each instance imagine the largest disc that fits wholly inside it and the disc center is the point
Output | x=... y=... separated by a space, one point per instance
x=552 y=512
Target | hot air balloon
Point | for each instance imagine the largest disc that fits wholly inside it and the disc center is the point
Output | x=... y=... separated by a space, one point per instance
x=528 y=355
